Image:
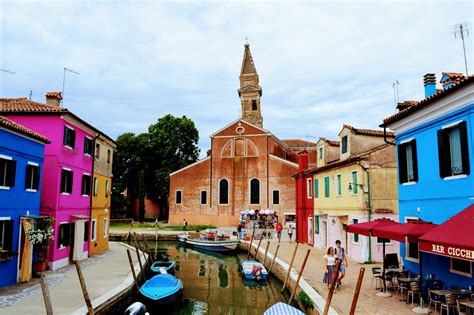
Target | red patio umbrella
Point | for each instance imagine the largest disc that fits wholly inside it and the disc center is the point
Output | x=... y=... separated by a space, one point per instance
x=367 y=228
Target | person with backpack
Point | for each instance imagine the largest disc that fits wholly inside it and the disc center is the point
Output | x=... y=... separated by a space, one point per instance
x=341 y=256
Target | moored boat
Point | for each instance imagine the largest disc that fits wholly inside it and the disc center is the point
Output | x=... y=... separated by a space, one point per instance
x=210 y=240
x=253 y=270
x=282 y=309
x=162 y=289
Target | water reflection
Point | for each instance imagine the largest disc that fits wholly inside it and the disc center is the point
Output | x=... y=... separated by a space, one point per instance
x=213 y=284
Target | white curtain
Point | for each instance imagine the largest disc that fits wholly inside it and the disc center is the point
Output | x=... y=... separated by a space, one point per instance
x=78 y=240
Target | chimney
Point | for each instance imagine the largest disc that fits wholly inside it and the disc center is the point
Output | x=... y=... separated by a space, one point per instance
x=429 y=81
x=53 y=98
x=303 y=160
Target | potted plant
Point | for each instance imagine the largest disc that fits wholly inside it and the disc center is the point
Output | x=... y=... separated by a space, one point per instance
x=40 y=235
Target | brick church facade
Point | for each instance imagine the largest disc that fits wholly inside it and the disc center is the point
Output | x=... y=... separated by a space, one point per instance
x=247 y=167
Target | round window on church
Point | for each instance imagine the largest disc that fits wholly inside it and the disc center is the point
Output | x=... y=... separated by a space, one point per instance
x=240 y=130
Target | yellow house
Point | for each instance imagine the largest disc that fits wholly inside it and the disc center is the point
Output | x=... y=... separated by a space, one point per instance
x=355 y=181
x=101 y=194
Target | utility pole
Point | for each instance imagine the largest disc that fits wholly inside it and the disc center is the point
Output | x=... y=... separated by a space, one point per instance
x=64 y=80
x=462 y=30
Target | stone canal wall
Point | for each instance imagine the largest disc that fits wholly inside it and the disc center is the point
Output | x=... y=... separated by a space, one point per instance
x=122 y=236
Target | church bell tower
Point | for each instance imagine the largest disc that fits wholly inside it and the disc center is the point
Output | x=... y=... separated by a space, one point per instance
x=250 y=91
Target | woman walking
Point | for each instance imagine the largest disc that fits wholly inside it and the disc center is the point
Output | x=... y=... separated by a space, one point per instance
x=290 y=232
x=330 y=260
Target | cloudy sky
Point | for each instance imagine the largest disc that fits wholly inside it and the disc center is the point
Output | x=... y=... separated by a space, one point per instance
x=321 y=64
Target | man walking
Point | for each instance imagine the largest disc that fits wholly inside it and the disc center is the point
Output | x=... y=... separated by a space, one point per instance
x=185 y=224
x=341 y=256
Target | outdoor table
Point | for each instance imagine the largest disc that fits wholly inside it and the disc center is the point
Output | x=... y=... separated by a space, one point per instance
x=406 y=283
x=468 y=304
x=441 y=292
x=394 y=270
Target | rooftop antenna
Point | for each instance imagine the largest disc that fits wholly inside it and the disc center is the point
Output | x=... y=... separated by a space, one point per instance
x=246 y=40
x=7 y=71
x=461 y=30
x=31 y=94
x=395 y=91
x=307 y=139
x=64 y=80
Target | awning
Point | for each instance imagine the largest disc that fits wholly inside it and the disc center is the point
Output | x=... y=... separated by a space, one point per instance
x=79 y=217
x=412 y=230
x=454 y=238
x=366 y=228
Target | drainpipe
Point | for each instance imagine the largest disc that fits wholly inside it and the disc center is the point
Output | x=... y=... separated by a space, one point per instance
x=369 y=208
x=92 y=192
x=385 y=136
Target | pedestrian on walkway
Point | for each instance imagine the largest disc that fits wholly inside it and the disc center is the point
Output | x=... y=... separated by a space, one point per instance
x=279 y=228
x=290 y=232
x=330 y=261
x=341 y=256
x=185 y=225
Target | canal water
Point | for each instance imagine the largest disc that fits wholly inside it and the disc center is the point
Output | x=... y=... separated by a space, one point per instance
x=214 y=285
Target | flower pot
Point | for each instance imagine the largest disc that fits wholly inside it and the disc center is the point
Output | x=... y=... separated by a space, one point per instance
x=40 y=266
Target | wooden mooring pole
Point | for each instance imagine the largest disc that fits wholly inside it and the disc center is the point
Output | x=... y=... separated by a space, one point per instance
x=140 y=262
x=46 y=296
x=258 y=246
x=156 y=237
x=90 y=309
x=289 y=268
x=137 y=287
x=129 y=230
x=331 y=288
x=299 y=276
x=146 y=263
x=266 y=251
x=274 y=258
x=147 y=248
x=357 y=291
x=251 y=241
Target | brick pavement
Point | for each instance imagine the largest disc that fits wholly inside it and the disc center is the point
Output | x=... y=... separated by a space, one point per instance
x=368 y=302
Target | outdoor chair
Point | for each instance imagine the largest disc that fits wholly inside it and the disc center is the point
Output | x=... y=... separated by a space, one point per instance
x=402 y=288
x=415 y=290
x=462 y=310
x=434 y=299
x=377 y=276
x=450 y=303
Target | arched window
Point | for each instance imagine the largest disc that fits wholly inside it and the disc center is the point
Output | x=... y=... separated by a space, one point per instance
x=223 y=192
x=254 y=191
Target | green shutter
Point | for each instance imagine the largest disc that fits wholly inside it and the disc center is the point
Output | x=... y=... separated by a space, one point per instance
x=316 y=188
x=316 y=224
x=326 y=186
x=354 y=181
x=339 y=185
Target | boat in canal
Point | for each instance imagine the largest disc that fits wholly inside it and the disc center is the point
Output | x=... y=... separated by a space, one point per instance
x=282 y=309
x=163 y=266
x=210 y=240
x=253 y=270
x=162 y=289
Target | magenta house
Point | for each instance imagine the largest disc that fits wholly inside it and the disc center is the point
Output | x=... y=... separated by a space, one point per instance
x=67 y=172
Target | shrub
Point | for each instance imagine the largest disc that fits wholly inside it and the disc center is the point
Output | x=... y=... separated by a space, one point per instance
x=305 y=300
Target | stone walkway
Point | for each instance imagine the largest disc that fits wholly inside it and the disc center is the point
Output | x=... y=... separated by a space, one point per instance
x=102 y=273
x=368 y=302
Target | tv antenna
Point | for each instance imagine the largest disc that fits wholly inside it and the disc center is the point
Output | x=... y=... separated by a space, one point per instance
x=7 y=71
x=64 y=80
x=31 y=94
x=395 y=91
x=462 y=30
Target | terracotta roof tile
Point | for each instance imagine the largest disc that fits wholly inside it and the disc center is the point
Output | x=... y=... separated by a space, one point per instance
x=333 y=143
x=369 y=132
x=26 y=105
x=57 y=95
x=405 y=104
x=8 y=124
x=427 y=101
x=298 y=143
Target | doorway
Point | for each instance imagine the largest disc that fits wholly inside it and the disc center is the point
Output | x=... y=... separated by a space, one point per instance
x=324 y=233
x=310 y=231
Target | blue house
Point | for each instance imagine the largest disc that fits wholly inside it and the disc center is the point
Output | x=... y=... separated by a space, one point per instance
x=435 y=147
x=21 y=159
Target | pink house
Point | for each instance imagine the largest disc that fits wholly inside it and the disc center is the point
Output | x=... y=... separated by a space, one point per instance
x=67 y=172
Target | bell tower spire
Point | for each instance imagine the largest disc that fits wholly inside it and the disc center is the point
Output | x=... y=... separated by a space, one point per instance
x=250 y=91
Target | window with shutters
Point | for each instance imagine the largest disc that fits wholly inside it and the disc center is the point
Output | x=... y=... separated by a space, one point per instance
x=178 y=199
x=96 y=186
x=316 y=188
x=276 y=197
x=86 y=231
x=407 y=162
x=355 y=237
x=66 y=181
x=97 y=150
x=338 y=185
x=106 y=227
x=453 y=150
x=6 y=235
x=223 y=192
x=64 y=235
x=354 y=184
x=254 y=191
x=326 y=186
x=86 y=185
x=203 y=197
x=316 y=224
x=32 y=177
x=93 y=229
x=320 y=153
x=7 y=172
x=88 y=146
x=109 y=156
x=344 y=145
x=107 y=188
x=69 y=137
x=309 y=188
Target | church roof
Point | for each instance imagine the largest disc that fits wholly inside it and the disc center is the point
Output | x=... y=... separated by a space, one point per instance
x=248 y=67
x=298 y=143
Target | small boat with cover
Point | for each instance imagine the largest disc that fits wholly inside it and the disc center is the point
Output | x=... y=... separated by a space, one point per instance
x=282 y=309
x=210 y=240
x=253 y=270
x=162 y=289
